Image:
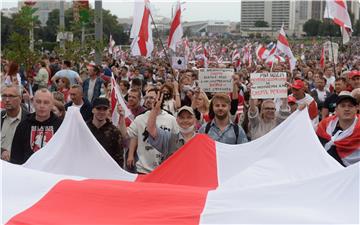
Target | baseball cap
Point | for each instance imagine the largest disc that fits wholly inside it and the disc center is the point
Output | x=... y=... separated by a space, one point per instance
x=187 y=108
x=346 y=95
x=354 y=73
x=101 y=102
x=298 y=84
x=291 y=99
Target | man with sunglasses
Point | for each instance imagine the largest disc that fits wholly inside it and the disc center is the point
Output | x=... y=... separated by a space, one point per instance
x=104 y=131
x=13 y=114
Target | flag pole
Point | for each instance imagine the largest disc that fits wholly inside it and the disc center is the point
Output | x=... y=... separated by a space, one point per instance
x=331 y=44
x=158 y=34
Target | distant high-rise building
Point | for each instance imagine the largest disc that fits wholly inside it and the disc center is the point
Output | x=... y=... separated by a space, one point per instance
x=317 y=9
x=275 y=13
x=252 y=11
x=355 y=9
x=44 y=7
x=292 y=13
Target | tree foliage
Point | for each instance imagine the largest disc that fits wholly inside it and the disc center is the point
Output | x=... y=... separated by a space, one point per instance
x=17 y=47
x=22 y=21
x=356 y=28
x=327 y=27
x=261 y=24
x=311 y=27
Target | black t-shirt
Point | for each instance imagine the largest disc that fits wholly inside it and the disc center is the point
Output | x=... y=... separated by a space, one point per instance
x=330 y=102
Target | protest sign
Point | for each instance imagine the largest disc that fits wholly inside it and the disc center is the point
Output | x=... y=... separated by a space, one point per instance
x=268 y=85
x=216 y=79
x=179 y=63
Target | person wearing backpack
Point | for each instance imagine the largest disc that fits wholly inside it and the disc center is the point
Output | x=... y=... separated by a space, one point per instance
x=221 y=128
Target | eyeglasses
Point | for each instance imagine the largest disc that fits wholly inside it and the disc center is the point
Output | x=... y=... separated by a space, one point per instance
x=102 y=108
x=270 y=109
x=149 y=97
x=9 y=96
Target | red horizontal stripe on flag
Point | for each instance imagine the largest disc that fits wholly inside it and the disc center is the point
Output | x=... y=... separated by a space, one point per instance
x=283 y=40
x=194 y=164
x=107 y=202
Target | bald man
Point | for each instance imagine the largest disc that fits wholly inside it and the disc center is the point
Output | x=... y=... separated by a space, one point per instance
x=36 y=130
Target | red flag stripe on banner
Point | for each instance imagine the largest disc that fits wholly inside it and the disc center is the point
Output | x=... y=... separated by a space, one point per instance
x=261 y=182
x=73 y=202
x=144 y=34
x=174 y=25
x=341 y=3
x=189 y=161
x=283 y=40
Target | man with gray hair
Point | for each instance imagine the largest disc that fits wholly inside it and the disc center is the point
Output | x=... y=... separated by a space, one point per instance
x=78 y=100
x=36 y=130
x=13 y=114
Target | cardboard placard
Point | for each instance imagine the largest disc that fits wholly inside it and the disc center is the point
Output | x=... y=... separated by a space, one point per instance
x=268 y=85
x=216 y=79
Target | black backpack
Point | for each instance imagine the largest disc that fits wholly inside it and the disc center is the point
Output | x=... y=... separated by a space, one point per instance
x=235 y=127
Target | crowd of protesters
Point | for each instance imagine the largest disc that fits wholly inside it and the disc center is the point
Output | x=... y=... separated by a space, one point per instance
x=168 y=108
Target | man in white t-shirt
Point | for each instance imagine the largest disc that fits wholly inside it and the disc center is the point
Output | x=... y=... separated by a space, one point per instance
x=148 y=157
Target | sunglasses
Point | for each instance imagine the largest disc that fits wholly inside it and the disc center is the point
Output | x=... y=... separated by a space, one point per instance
x=101 y=108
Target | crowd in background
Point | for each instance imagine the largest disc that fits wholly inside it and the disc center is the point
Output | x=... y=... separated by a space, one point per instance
x=167 y=106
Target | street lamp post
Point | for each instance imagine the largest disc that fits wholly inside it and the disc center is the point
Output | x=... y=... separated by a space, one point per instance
x=98 y=30
x=31 y=3
x=62 y=23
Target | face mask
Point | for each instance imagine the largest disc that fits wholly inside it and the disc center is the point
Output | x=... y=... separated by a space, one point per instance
x=186 y=130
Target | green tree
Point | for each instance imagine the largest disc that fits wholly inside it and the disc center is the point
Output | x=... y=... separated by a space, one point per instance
x=17 y=48
x=329 y=28
x=356 y=28
x=261 y=24
x=6 y=29
x=311 y=27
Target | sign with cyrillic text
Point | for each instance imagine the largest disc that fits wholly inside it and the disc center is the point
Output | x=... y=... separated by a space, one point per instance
x=216 y=79
x=268 y=85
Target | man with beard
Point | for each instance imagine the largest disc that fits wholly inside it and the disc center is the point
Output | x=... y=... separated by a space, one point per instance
x=221 y=128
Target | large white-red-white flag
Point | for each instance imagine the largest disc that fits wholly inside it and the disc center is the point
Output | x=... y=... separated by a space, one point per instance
x=284 y=47
x=291 y=179
x=141 y=31
x=176 y=31
x=337 y=11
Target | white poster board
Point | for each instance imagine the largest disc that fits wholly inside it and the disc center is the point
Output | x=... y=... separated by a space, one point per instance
x=179 y=63
x=216 y=79
x=268 y=85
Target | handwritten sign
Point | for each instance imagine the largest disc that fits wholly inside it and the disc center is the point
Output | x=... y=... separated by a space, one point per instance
x=268 y=85
x=216 y=79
